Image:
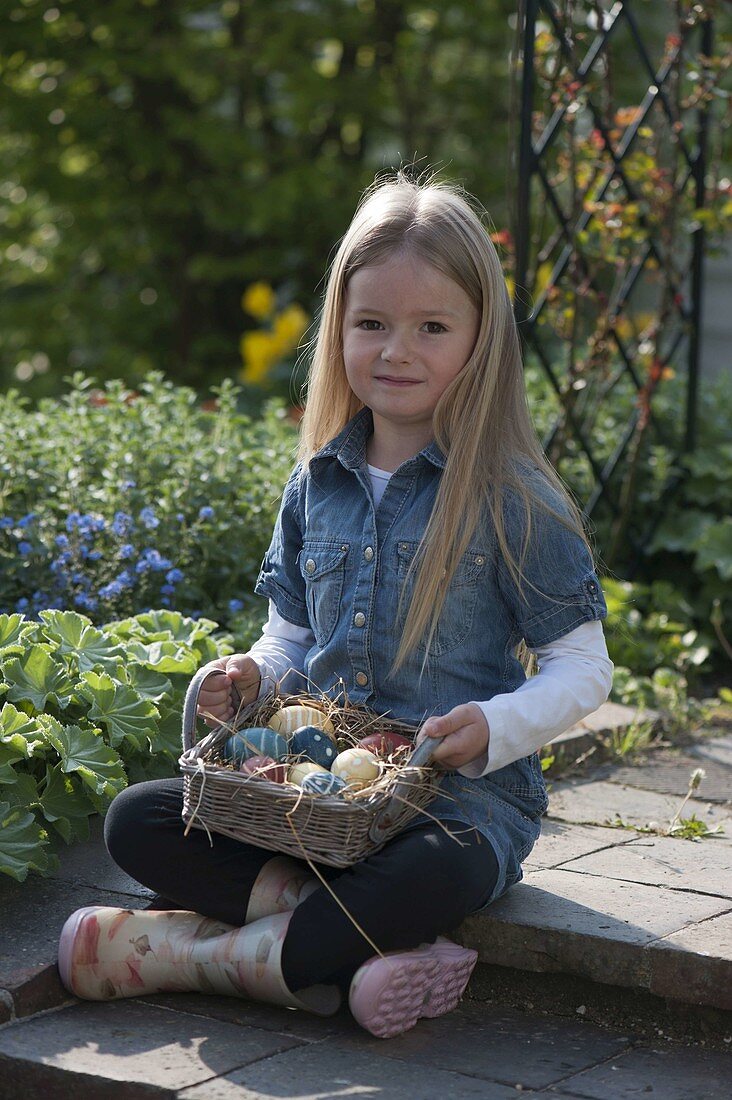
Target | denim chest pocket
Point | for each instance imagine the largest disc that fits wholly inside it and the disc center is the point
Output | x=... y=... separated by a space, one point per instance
x=458 y=610
x=323 y=568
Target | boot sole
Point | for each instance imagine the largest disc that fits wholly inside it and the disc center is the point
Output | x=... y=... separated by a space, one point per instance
x=66 y=943
x=389 y=995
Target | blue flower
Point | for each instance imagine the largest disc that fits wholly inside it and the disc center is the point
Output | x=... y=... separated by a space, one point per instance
x=109 y=591
x=168 y=589
x=148 y=518
x=25 y=548
x=92 y=555
x=174 y=576
x=62 y=541
x=235 y=605
x=127 y=551
x=121 y=523
x=125 y=485
x=87 y=603
x=72 y=520
x=27 y=520
x=180 y=517
x=6 y=522
x=154 y=560
x=206 y=512
x=125 y=579
x=22 y=605
x=165 y=601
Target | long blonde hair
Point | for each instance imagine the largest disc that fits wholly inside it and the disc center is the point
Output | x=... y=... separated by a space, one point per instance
x=481 y=423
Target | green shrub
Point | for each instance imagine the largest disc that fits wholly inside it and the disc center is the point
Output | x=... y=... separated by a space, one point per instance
x=84 y=712
x=112 y=502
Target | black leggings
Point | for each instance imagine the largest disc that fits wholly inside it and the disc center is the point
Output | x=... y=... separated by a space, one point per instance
x=419 y=886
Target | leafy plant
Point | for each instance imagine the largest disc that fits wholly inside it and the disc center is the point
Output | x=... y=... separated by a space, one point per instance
x=84 y=712
x=114 y=501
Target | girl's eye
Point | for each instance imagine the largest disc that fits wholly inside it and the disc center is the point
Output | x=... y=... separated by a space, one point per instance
x=368 y=325
x=434 y=327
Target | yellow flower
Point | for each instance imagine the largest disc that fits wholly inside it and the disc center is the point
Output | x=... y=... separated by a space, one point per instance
x=289 y=326
x=258 y=300
x=259 y=351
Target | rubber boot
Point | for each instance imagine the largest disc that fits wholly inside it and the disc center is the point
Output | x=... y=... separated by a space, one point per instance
x=389 y=994
x=107 y=953
x=278 y=888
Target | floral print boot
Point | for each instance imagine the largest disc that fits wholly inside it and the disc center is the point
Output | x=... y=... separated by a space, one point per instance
x=279 y=887
x=107 y=953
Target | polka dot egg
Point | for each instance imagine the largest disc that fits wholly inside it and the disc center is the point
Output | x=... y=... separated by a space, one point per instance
x=322 y=783
x=313 y=743
x=358 y=768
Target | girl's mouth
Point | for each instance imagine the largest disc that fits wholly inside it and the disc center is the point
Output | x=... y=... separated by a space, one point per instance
x=388 y=380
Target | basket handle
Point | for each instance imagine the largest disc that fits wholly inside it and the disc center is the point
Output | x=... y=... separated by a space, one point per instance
x=191 y=703
x=384 y=819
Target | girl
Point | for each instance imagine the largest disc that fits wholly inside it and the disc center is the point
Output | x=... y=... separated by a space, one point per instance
x=421 y=537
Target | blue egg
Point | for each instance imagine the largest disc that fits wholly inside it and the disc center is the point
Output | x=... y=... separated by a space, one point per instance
x=257 y=741
x=322 y=783
x=312 y=743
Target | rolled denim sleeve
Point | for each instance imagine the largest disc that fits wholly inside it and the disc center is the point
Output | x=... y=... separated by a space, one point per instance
x=279 y=577
x=560 y=589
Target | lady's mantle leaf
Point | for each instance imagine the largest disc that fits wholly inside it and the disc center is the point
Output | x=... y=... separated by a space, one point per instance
x=77 y=638
x=66 y=805
x=163 y=656
x=145 y=681
x=19 y=732
x=23 y=844
x=14 y=629
x=85 y=752
x=36 y=677
x=119 y=709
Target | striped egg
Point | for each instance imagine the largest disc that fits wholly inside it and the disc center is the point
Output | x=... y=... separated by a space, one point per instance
x=255 y=741
x=322 y=783
x=288 y=719
x=297 y=772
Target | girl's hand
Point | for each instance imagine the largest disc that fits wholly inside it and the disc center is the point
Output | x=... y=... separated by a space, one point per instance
x=215 y=700
x=466 y=735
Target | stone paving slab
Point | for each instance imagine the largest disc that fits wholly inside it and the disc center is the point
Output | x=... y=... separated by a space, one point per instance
x=676 y=1074
x=697 y=961
x=669 y=773
x=714 y=750
x=561 y=841
x=601 y=929
x=703 y=868
x=114 y=1049
x=585 y=802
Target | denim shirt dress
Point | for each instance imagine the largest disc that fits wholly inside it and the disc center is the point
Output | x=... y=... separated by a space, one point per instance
x=337 y=565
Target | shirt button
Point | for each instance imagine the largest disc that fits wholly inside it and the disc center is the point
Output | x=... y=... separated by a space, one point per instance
x=369 y=553
x=362 y=679
x=359 y=619
x=310 y=566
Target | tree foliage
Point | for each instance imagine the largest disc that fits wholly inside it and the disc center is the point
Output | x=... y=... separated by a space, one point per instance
x=158 y=157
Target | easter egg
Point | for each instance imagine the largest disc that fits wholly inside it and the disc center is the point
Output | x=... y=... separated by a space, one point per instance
x=297 y=772
x=384 y=744
x=288 y=719
x=257 y=741
x=322 y=783
x=313 y=743
x=356 y=767
x=265 y=768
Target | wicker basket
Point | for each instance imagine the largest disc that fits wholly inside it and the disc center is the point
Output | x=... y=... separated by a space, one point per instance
x=337 y=830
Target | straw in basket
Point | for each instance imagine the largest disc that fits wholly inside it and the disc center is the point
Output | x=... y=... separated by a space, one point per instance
x=336 y=830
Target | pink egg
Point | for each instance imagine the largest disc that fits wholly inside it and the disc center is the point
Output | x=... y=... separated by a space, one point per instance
x=384 y=744
x=266 y=768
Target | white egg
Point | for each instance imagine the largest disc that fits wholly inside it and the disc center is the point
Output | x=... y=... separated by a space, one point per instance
x=356 y=767
x=297 y=772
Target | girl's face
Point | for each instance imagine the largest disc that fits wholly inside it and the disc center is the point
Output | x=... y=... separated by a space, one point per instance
x=408 y=330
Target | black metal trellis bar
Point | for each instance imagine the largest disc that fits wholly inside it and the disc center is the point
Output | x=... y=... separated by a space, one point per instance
x=531 y=154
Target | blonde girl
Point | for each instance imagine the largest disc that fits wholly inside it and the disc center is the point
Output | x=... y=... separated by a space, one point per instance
x=422 y=539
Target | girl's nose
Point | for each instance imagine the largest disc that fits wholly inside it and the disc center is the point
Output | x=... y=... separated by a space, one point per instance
x=396 y=350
